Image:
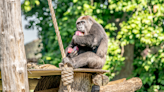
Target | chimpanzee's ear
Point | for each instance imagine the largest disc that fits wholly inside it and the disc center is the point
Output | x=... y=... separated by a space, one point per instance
x=90 y=20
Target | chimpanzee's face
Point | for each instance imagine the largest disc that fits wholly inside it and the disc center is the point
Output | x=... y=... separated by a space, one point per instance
x=81 y=26
x=84 y=24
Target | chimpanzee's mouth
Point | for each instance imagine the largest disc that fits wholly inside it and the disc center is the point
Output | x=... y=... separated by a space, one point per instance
x=80 y=33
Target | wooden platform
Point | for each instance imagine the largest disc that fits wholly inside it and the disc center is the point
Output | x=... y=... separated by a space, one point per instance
x=37 y=73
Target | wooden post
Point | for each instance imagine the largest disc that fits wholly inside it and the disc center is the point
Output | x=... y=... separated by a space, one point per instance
x=82 y=83
x=13 y=58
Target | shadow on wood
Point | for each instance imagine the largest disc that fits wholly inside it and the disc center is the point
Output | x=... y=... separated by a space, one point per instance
x=48 y=82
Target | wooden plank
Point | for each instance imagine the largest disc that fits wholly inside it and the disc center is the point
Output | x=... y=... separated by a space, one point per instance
x=37 y=73
x=85 y=70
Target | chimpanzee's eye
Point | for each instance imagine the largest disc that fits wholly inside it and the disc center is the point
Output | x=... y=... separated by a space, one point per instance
x=78 y=23
x=82 y=22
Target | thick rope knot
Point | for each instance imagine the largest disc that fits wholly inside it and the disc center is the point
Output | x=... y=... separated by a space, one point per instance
x=67 y=75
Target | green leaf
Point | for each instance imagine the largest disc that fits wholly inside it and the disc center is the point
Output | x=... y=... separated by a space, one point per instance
x=74 y=1
x=37 y=2
x=146 y=67
x=48 y=58
x=27 y=3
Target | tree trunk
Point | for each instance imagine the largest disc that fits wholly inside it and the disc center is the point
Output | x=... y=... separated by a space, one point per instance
x=127 y=69
x=13 y=58
x=82 y=83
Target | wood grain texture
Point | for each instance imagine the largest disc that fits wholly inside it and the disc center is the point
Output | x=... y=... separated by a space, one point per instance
x=100 y=80
x=116 y=81
x=37 y=73
x=48 y=82
x=32 y=84
x=82 y=83
x=49 y=90
x=130 y=85
x=12 y=52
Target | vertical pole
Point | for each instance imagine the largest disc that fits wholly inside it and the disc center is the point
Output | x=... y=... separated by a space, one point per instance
x=12 y=53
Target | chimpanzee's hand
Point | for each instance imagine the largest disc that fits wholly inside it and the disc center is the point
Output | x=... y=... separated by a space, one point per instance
x=67 y=61
x=73 y=54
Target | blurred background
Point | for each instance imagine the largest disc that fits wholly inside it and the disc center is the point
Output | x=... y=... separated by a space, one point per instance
x=135 y=29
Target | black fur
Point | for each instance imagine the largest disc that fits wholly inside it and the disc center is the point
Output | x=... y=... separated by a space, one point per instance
x=92 y=47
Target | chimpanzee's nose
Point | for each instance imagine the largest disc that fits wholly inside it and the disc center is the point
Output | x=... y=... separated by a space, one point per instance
x=79 y=28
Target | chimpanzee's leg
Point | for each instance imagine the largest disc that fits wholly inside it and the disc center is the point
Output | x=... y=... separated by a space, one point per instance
x=89 y=59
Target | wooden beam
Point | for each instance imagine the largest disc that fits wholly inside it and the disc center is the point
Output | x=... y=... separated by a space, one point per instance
x=12 y=52
x=37 y=73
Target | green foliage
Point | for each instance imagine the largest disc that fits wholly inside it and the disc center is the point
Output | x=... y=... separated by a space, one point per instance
x=144 y=27
x=151 y=70
x=137 y=22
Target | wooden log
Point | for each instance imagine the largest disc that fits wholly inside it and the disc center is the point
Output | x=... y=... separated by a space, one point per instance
x=97 y=81
x=116 y=81
x=130 y=85
x=82 y=83
x=12 y=52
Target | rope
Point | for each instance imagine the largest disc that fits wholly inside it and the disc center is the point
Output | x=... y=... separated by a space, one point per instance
x=67 y=77
x=67 y=72
x=56 y=28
